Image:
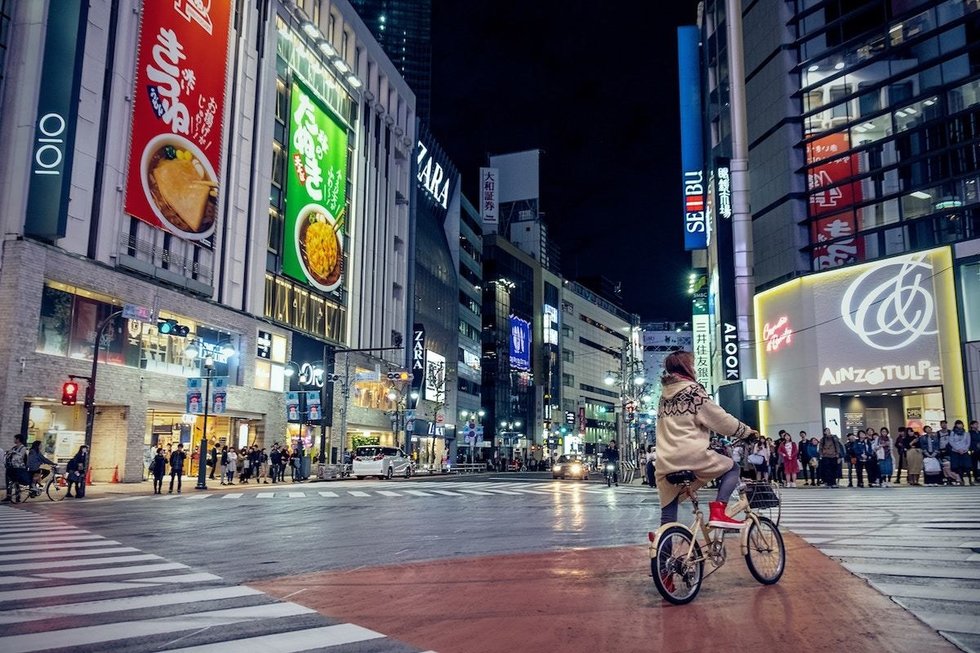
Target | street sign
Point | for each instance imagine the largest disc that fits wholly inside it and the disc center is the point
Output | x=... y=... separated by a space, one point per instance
x=137 y=312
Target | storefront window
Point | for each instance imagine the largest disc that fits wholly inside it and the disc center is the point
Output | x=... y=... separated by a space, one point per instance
x=970 y=297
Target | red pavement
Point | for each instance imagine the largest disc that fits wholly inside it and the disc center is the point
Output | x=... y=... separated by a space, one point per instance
x=598 y=600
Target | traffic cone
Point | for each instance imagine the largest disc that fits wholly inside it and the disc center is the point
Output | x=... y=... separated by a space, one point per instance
x=88 y=476
x=115 y=475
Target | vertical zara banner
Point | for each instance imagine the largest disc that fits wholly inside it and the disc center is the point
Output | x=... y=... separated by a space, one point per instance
x=176 y=141
x=316 y=194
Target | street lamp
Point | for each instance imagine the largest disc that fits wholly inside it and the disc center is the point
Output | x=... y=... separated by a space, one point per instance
x=195 y=349
x=477 y=416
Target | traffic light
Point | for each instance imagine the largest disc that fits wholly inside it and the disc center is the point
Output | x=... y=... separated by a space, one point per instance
x=398 y=376
x=172 y=328
x=69 y=393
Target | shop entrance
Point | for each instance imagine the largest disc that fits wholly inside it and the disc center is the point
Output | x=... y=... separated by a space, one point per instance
x=850 y=412
x=166 y=428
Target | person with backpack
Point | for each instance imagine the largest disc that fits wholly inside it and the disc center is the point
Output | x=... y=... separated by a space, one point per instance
x=15 y=464
x=76 y=468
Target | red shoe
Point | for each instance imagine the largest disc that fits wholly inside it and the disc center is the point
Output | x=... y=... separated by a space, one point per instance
x=718 y=518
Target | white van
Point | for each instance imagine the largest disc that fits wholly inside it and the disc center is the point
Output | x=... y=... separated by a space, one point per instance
x=383 y=462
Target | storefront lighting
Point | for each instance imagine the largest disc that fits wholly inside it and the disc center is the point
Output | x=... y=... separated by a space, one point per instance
x=353 y=81
x=920 y=195
x=814 y=68
x=839 y=65
x=326 y=48
x=341 y=65
x=931 y=101
x=310 y=29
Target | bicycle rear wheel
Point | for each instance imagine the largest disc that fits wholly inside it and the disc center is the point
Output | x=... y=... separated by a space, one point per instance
x=55 y=490
x=766 y=556
x=677 y=579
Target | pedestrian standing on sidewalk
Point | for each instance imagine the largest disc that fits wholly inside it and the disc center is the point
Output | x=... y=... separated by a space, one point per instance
x=931 y=467
x=883 y=456
x=959 y=452
x=861 y=451
x=902 y=443
x=975 y=448
x=212 y=460
x=849 y=458
x=77 y=467
x=913 y=461
x=829 y=455
x=263 y=466
x=157 y=467
x=275 y=461
x=224 y=464
x=790 y=455
x=803 y=446
x=177 y=459
x=230 y=466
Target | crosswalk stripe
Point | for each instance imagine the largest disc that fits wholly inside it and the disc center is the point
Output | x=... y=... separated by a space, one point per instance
x=129 y=603
x=74 y=637
x=202 y=577
x=446 y=493
x=358 y=493
x=48 y=546
x=388 y=493
x=481 y=493
x=52 y=538
x=192 y=497
x=292 y=642
x=419 y=493
x=31 y=566
x=113 y=571
x=233 y=495
x=265 y=495
x=40 y=555
x=296 y=495
x=332 y=495
x=68 y=590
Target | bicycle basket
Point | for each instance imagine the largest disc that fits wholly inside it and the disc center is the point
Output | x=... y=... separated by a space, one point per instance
x=761 y=495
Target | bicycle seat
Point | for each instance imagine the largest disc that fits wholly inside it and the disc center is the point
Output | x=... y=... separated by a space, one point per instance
x=680 y=478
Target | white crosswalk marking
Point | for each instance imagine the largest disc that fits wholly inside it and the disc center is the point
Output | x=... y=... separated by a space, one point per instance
x=104 y=596
x=915 y=545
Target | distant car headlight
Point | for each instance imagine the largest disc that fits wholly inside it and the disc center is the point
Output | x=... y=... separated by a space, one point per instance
x=556 y=468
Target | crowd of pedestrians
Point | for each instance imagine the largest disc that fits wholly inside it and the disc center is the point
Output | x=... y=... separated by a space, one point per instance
x=867 y=458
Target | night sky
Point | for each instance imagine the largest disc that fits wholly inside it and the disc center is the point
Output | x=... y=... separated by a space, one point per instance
x=595 y=87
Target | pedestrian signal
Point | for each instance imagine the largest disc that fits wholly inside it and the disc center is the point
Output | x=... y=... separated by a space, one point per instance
x=69 y=393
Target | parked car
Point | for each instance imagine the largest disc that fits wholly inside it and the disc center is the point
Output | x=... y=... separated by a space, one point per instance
x=570 y=467
x=383 y=462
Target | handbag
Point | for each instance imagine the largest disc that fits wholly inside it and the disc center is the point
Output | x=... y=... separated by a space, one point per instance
x=931 y=466
x=813 y=462
x=757 y=459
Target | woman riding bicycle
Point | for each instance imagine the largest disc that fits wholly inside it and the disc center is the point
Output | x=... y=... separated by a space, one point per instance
x=686 y=418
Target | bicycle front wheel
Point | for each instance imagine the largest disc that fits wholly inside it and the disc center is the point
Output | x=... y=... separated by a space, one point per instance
x=766 y=556
x=55 y=490
x=678 y=578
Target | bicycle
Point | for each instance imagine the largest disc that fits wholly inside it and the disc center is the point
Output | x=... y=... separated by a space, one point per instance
x=677 y=557
x=55 y=487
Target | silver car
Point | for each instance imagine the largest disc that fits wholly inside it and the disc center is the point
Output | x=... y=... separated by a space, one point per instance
x=383 y=462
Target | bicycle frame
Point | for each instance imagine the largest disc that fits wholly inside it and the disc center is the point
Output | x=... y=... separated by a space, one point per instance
x=700 y=530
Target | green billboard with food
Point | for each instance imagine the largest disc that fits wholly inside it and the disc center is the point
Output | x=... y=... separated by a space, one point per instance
x=316 y=194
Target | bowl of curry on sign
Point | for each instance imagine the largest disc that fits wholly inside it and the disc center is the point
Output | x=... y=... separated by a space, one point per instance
x=319 y=247
x=180 y=185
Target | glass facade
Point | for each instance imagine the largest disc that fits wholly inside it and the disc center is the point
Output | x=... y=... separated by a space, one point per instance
x=890 y=95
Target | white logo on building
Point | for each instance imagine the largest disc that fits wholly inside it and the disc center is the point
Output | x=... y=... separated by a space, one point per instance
x=888 y=307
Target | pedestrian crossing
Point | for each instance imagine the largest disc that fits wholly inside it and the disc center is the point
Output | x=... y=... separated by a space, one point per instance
x=919 y=546
x=414 y=489
x=64 y=588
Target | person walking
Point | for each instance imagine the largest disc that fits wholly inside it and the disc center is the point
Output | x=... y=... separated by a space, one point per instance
x=15 y=464
x=830 y=448
x=177 y=459
x=157 y=468
x=913 y=461
x=77 y=467
x=789 y=453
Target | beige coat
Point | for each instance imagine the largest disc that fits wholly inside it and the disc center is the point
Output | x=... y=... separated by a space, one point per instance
x=913 y=459
x=685 y=419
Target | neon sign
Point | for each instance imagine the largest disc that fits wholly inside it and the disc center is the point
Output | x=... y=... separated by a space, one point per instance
x=778 y=334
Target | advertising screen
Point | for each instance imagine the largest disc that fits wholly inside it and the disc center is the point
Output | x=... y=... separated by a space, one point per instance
x=833 y=205
x=316 y=194
x=176 y=142
x=520 y=344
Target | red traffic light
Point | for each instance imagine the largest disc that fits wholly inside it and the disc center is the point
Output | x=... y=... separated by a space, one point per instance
x=69 y=393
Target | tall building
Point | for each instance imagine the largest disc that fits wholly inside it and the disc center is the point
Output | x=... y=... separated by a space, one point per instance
x=404 y=30
x=472 y=414
x=857 y=124
x=660 y=339
x=247 y=191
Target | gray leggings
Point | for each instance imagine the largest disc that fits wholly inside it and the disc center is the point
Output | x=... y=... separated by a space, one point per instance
x=726 y=485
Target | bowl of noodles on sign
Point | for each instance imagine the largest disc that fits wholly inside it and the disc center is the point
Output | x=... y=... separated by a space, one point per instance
x=180 y=185
x=319 y=247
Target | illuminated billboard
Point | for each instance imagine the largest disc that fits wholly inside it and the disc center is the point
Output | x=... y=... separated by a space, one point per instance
x=692 y=160
x=520 y=344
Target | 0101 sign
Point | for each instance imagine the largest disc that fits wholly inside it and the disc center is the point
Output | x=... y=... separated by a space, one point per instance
x=49 y=150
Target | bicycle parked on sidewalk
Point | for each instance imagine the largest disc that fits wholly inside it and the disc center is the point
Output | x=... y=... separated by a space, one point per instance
x=55 y=487
x=678 y=552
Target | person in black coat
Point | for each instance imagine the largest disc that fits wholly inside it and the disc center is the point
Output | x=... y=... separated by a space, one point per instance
x=213 y=461
x=157 y=468
x=177 y=459
x=77 y=468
